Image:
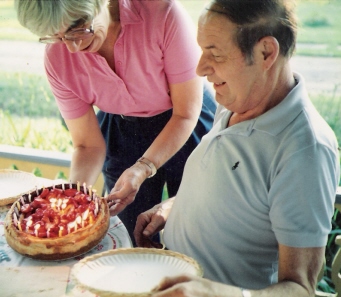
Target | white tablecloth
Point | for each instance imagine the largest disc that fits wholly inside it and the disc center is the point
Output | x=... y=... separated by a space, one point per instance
x=23 y=276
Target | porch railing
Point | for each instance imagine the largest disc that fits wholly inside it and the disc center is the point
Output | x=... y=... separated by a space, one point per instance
x=48 y=162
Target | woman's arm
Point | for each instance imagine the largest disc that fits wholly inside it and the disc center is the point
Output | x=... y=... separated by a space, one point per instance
x=187 y=102
x=89 y=148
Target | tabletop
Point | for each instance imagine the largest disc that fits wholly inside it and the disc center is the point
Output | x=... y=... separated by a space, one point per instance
x=23 y=276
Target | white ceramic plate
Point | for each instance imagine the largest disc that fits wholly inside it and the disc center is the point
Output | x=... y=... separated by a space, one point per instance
x=14 y=183
x=130 y=272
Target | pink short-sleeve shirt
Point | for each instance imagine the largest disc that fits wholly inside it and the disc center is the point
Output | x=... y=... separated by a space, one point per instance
x=156 y=47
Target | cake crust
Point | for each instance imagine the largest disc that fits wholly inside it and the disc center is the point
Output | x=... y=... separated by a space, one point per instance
x=57 y=248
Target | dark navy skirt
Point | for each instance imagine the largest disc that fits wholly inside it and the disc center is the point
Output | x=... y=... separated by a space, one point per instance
x=127 y=139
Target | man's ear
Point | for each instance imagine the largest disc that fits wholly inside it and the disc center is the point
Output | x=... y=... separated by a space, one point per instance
x=268 y=50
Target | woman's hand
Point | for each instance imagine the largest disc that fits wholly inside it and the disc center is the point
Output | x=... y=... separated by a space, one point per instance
x=126 y=187
x=151 y=222
x=193 y=286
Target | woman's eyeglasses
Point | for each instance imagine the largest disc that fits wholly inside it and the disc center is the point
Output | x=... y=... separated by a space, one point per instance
x=73 y=34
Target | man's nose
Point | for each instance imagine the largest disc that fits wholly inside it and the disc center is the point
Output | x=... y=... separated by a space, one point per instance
x=73 y=45
x=203 y=68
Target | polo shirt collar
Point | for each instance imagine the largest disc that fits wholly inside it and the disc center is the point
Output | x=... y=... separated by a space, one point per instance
x=279 y=117
x=273 y=121
x=128 y=13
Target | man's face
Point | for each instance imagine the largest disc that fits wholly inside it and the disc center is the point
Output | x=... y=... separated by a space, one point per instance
x=236 y=83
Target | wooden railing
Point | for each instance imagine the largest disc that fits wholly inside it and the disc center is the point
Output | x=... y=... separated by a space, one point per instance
x=48 y=162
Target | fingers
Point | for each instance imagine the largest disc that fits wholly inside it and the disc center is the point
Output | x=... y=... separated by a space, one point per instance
x=141 y=223
x=115 y=209
x=147 y=225
x=119 y=200
x=164 y=287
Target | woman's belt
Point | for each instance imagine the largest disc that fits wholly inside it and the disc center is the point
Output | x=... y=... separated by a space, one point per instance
x=129 y=118
x=137 y=119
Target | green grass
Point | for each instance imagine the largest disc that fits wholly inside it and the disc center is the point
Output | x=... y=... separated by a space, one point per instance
x=10 y=28
x=319 y=23
x=26 y=95
x=39 y=133
x=29 y=115
x=27 y=103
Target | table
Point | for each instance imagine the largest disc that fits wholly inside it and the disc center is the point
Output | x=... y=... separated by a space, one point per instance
x=22 y=276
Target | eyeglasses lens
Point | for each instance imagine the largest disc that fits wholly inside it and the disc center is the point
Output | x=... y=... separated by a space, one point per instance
x=74 y=34
x=78 y=34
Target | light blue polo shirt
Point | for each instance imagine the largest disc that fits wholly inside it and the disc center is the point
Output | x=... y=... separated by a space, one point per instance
x=253 y=185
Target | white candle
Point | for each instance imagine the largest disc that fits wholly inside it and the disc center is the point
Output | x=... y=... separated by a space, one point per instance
x=84 y=188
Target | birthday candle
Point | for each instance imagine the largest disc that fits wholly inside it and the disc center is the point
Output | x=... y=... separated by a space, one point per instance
x=84 y=188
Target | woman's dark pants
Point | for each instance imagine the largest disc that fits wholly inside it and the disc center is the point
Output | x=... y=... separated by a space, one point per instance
x=128 y=138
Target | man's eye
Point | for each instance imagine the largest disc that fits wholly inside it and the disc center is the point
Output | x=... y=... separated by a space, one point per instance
x=217 y=58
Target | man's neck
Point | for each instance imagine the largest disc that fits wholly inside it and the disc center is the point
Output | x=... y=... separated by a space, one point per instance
x=279 y=86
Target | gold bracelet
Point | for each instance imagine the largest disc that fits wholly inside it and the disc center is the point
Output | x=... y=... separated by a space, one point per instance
x=149 y=164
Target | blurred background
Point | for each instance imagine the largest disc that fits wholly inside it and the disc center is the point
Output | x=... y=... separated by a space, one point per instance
x=29 y=117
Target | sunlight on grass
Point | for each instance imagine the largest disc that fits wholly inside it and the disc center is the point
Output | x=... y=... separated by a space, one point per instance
x=40 y=133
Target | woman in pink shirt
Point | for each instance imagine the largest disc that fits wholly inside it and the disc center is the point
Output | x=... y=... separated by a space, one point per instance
x=135 y=62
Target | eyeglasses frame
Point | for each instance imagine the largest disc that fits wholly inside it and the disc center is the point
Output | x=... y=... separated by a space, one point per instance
x=89 y=32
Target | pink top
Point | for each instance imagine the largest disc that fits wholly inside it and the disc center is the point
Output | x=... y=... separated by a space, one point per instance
x=156 y=47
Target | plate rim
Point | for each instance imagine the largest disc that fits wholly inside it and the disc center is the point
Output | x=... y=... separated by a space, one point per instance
x=13 y=198
x=122 y=251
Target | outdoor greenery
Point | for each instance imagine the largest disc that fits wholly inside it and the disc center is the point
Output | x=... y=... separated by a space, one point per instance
x=29 y=116
x=319 y=25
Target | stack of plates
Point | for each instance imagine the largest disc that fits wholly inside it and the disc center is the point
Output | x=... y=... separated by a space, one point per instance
x=130 y=272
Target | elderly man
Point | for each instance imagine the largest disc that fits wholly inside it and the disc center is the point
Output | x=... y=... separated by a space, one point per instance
x=256 y=199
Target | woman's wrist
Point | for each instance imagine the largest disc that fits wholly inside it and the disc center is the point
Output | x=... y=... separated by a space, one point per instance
x=148 y=164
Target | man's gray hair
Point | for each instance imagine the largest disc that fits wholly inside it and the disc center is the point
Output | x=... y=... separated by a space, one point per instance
x=259 y=18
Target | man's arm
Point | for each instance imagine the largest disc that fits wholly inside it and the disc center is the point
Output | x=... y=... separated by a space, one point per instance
x=297 y=277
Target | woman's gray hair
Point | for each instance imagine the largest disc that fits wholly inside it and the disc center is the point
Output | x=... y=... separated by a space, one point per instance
x=47 y=17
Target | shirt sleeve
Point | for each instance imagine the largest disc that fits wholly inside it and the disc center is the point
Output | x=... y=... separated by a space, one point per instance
x=69 y=104
x=302 y=197
x=181 y=50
